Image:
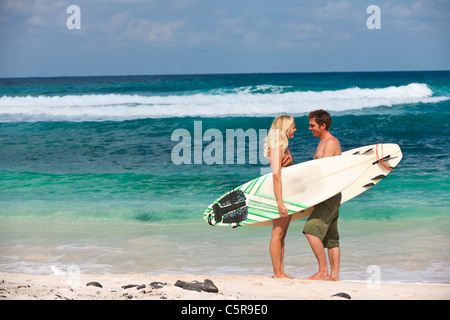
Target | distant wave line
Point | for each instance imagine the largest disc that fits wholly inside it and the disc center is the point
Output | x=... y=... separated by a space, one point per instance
x=262 y=100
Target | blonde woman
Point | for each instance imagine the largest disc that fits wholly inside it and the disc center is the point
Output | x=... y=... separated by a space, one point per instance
x=276 y=149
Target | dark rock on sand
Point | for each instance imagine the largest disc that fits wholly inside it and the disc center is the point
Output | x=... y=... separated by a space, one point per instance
x=94 y=283
x=192 y=286
x=128 y=286
x=207 y=286
x=157 y=285
x=342 y=295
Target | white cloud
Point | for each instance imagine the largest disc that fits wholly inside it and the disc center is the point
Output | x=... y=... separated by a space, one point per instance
x=37 y=13
x=303 y=31
x=37 y=21
x=420 y=9
x=201 y=38
x=251 y=38
x=14 y=6
x=333 y=10
x=234 y=25
x=183 y=4
x=148 y=31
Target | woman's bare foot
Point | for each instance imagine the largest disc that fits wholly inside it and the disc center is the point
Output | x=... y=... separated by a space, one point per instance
x=282 y=276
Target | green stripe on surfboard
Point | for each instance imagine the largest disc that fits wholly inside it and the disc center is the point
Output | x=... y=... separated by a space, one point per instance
x=273 y=197
x=263 y=213
x=251 y=185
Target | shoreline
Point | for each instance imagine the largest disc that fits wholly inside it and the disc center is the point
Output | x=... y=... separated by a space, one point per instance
x=230 y=287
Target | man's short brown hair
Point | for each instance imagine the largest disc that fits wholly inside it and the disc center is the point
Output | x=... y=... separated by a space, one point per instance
x=321 y=117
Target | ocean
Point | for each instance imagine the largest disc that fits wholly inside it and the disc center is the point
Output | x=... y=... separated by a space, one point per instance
x=92 y=177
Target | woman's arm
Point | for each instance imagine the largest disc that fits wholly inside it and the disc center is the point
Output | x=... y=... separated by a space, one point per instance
x=275 y=163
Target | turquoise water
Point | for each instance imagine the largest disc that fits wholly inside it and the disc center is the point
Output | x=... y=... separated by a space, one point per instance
x=87 y=172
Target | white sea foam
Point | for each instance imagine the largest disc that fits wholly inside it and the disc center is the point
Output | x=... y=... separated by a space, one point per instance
x=246 y=101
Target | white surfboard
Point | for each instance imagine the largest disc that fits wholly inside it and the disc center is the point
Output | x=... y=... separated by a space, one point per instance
x=392 y=155
x=304 y=185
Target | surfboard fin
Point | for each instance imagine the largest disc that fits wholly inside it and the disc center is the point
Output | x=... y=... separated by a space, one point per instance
x=210 y=219
x=371 y=184
x=357 y=152
x=387 y=158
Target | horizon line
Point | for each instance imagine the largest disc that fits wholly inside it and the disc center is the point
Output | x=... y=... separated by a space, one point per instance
x=214 y=74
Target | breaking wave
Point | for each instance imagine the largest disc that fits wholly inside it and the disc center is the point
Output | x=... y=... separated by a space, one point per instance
x=263 y=100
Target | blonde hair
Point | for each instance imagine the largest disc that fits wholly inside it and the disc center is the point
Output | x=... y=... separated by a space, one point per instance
x=277 y=136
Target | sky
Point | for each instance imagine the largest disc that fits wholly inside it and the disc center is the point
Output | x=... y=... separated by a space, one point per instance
x=145 y=37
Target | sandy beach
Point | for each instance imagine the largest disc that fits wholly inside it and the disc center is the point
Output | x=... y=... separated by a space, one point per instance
x=230 y=287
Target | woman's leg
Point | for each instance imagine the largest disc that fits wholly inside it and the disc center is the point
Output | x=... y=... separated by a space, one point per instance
x=276 y=246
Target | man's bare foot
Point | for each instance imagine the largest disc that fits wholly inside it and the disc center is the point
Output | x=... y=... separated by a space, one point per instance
x=333 y=278
x=319 y=276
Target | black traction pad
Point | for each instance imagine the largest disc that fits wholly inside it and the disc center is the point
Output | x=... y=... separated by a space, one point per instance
x=231 y=208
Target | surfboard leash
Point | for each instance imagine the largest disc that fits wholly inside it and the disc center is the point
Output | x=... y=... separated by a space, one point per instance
x=381 y=160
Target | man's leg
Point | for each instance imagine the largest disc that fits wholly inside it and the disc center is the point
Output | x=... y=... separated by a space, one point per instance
x=316 y=230
x=331 y=241
x=334 y=256
x=319 y=252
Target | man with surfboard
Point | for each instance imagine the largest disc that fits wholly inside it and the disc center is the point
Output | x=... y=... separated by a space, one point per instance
x=321 y=227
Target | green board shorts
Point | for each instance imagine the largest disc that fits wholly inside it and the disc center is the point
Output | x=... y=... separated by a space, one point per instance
x=322 y=222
